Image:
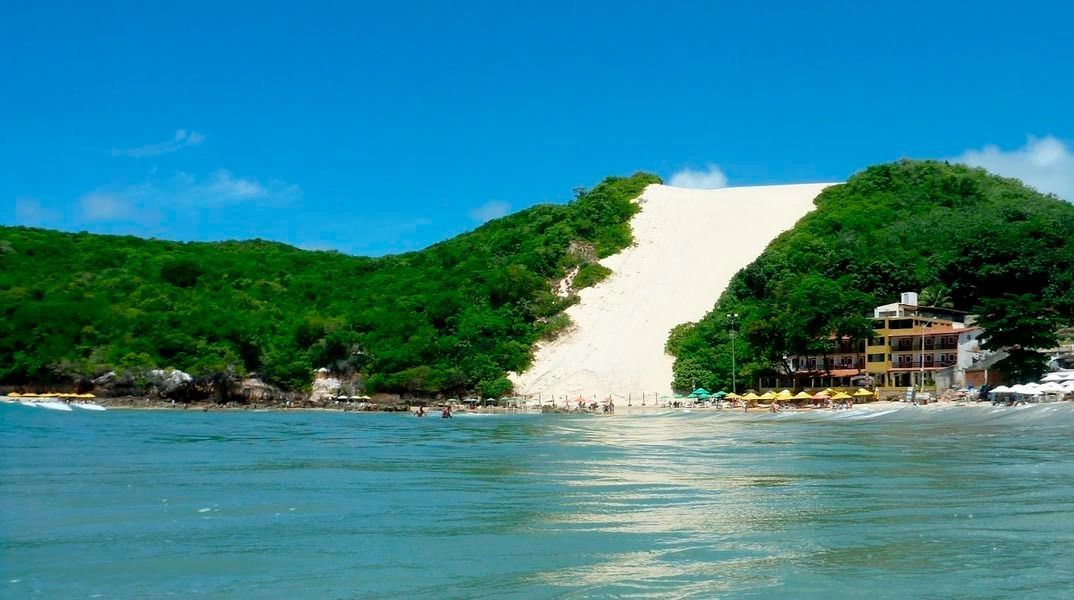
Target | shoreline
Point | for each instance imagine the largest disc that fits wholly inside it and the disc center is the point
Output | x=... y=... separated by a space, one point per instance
x=146 y=404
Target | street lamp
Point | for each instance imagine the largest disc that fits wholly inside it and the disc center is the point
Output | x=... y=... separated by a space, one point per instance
x=734 y=380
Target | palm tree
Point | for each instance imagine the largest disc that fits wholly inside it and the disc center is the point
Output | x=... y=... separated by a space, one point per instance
x=938 y=295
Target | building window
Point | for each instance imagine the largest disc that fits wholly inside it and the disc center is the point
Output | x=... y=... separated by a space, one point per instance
x=875 y=358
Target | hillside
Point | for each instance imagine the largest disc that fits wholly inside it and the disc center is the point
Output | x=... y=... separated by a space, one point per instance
x=452 y=318
x=990 y=245
x=688 y=245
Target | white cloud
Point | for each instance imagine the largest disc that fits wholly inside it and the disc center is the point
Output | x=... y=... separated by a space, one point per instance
x=710 y=178
x=182 y=139
x=1045 y=163
x=148 y=201
x=103 y=206
x=30 y=211
x=492 y=209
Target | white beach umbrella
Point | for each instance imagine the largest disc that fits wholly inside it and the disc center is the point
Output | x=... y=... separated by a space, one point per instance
x=1052 y=388
x=1069 y=375
x=1001 y=390
x=1053 y=377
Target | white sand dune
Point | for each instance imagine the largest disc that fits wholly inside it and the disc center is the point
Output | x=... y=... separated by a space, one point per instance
x=688 y=245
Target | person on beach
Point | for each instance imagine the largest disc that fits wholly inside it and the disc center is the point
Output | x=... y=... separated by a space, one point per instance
x=446 y=414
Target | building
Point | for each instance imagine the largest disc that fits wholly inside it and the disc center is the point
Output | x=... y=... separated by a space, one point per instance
x=911 y=345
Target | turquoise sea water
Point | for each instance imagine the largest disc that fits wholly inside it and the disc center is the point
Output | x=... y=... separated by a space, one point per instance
x=962 y=502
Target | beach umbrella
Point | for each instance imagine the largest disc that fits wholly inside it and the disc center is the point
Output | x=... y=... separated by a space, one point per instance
x=699 y=393
x=768 y=396
x=1052 y=388
x=1069 y=376
x=841 y=396
x=1053 y=377
x=719 y=394
x=733 y=396
x=803 y=395
x=1000 y=390
x=820 y=396
x=14 y=395
x=751 y=396
x=784 y=396
x=862 y=393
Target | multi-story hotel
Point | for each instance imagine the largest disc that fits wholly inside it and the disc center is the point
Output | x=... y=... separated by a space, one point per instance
x=911 y=345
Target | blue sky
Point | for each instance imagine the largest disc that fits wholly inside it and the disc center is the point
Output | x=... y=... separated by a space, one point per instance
x=373 y=128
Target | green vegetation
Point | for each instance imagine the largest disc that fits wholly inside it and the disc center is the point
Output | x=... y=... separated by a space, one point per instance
x=972 y=240
x=452 y=318
x=591 y=274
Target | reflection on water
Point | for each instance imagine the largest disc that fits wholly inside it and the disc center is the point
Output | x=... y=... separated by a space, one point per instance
x=958 y=501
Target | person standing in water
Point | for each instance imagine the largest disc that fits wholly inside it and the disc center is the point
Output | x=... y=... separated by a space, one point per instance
x=446 y=413
x=421 y=412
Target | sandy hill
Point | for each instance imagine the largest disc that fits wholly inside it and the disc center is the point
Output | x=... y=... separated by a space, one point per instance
x=689 y=243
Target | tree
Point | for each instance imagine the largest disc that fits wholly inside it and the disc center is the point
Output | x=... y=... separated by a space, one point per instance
x=937 y=295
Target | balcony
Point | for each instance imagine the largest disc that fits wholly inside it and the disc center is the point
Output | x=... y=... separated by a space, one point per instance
x=917 y=347
x=929 y=364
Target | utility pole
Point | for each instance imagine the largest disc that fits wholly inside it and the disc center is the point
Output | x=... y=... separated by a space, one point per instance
x=924 y=328
x=734 y=379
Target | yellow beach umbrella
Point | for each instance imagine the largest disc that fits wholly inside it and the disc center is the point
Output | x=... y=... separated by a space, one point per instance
x=861 y=393
x=784 y=396
x=751 y=396
x=732 y=396
x=803 y=396
x=15 y=395
x=768 y=396
x=841 y=396
x=829 y=391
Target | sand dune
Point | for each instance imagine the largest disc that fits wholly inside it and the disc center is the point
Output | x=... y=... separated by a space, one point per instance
x=689 y=243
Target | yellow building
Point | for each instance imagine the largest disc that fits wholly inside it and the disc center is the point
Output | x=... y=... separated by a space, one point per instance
x=909 y=345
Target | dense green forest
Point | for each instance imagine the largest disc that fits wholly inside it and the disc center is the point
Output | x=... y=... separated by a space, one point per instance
x=454 y=317
x=976 y=241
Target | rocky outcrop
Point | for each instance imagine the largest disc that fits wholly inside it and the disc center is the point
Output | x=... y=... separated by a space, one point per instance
x=325 y=387
x=254 y=391
x=170 y=383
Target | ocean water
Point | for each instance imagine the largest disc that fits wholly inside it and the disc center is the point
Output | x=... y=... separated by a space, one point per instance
x=959 y=502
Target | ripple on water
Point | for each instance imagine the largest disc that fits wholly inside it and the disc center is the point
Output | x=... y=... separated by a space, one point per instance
x=909 y=502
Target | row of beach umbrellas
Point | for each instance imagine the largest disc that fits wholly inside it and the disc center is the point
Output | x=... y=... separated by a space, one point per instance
x=783 y=396
x=1036 y=389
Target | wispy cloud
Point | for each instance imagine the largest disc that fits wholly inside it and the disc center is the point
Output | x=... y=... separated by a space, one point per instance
x=183 y=192
x=709 y=178
x=492 y=209
x=182 y=139
x=1045 y=163
x=104 y=206
x=30 y=211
